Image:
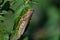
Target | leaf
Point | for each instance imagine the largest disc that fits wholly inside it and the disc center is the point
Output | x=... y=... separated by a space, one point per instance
x=8 y=19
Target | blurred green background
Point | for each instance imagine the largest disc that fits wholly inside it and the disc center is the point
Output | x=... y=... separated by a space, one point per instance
x=44 y=24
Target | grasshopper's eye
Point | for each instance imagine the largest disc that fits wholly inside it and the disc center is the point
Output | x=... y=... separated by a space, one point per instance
x=1 y=2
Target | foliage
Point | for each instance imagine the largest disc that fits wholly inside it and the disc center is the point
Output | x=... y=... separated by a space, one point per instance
x=45 y=16
x=10 y=13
